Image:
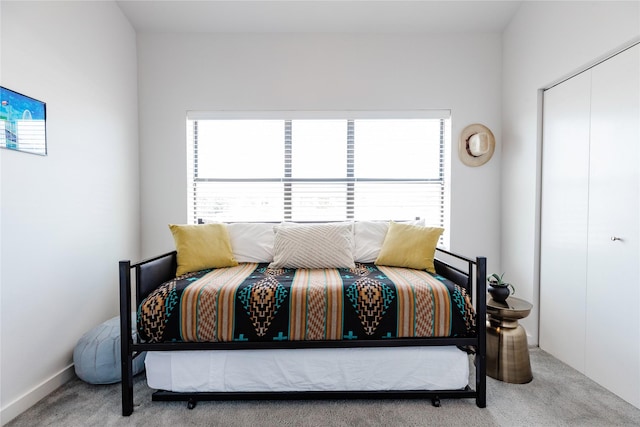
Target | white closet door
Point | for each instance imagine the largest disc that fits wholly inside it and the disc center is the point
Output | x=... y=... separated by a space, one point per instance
x=613 y=284
x=565 y=190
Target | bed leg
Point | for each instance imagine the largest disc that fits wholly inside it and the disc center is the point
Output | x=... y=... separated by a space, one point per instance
x=127 y=387
x=481 y=381
x=435 y=401
x=481 y=350
x=191 y=403
x=126 y=342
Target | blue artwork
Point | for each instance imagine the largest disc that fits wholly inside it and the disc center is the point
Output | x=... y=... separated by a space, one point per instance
x=22 y=123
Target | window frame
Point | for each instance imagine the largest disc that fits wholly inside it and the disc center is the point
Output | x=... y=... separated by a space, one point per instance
x=350 y=180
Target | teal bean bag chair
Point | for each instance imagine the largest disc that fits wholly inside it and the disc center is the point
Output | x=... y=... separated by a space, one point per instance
x=97 y=354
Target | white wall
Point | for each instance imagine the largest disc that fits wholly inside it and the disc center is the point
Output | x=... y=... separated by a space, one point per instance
x=544 y=42
x=179 y=72
x=67 y=218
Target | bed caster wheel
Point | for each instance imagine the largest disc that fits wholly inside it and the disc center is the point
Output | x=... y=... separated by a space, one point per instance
x=191 y=403
x=435 y=402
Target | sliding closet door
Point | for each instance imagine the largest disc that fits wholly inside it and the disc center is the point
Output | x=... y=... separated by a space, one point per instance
x=590 y=224
x=613 y=284
x=565 y=195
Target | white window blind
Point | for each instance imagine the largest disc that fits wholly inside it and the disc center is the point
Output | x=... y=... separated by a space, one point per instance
x=317 y=169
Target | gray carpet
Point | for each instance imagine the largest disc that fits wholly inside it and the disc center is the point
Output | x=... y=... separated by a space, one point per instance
x=557 y=396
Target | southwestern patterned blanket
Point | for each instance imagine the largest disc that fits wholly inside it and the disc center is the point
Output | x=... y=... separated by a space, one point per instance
x=252 y=302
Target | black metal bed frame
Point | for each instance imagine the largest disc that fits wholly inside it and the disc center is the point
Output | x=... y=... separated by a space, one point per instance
x=153 y=272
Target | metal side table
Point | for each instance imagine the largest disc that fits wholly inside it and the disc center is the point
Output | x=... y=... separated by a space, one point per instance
x=507 y=349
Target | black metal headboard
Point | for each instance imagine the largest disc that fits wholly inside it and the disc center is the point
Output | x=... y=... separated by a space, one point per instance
x=153 y=272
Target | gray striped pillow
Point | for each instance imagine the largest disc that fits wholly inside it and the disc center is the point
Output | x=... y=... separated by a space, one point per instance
x=313 y=246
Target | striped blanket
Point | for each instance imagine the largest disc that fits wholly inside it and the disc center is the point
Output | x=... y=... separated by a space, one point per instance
x=252 y=302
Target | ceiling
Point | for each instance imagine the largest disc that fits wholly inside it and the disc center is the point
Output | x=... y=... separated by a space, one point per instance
x=318 y=16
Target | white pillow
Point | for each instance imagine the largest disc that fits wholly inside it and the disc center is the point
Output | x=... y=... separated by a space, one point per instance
x=369 y=236
x=345 y=223
x=313 y=246
x=251 y=241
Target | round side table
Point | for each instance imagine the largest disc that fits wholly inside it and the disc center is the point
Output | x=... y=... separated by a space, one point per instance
x=507 y=350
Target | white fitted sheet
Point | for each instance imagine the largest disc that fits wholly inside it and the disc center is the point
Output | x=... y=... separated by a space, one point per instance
x=317 y=369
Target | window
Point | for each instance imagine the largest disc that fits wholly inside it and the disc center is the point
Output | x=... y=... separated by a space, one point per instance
x=322 y=168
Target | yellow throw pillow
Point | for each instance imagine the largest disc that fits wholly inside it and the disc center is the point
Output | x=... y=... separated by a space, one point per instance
x=410 y=246
x=202 y=246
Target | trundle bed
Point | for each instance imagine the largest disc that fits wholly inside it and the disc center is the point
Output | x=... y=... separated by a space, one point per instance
x=256 y=330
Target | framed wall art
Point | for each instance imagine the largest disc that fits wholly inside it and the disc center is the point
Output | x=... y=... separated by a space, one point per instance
x=22 y=123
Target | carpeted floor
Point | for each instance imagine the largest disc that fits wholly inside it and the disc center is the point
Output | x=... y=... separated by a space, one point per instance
x=557 y=396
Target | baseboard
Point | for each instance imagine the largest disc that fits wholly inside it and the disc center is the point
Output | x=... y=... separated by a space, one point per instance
x=36 y=394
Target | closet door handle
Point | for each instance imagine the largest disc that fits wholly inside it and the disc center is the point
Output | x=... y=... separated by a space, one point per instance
x=614 y=238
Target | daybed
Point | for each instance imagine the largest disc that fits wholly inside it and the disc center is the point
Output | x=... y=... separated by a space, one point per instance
x=291 y=311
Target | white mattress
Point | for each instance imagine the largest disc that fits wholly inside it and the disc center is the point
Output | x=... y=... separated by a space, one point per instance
x=335 y=369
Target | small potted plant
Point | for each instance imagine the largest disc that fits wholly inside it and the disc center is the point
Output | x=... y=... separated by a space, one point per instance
x=498 y=288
